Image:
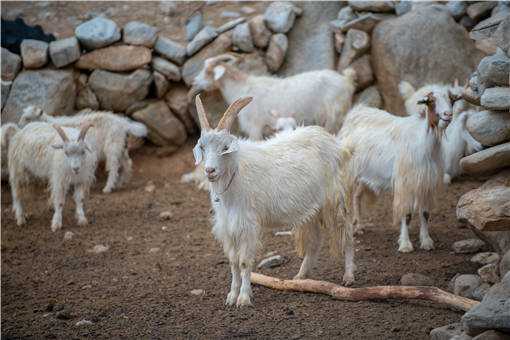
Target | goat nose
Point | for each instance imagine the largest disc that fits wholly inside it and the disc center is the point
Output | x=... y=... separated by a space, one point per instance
x=210 y=170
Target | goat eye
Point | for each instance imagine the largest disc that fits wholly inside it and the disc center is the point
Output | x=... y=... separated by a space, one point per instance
x=225 y=149
x=202 y=147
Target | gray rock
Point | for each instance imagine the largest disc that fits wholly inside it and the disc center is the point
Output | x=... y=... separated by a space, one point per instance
x=54 y=91
x=64 y=52
x=489 y=273
x=504 y=264
x=403 y=6
x=6 y=87
x=279 y=16
x=230 y=14
x=346 y=14
x=493 y=70
x=364 y=74
x=485 y=258
x=194 y=24
x=372 y=6
x=487 y=160
x=489 y=127
x=369 y=97
x=193 y=65
x=496 y=98
x=416 y=279
x=271 y=262
x=11 y=64
x=204 y=37
x=446 y=332
x=450 y=53
x=479 y=9
x=259 y=32
x=177 y=100
x=502 y=33
x=480 y=292
x=139 y=33
x=34 y=53
x=241 y=37
x=502 y=7
x=229 y=25
x=310 y=44
x=356 y=43
x=468 y=246
x=493 y=312
x=86 y=99
x=276 y=51
x=465 y=285
x=457 y=8
x=169 y=70
x=171 y=50
x=116 y=92
x=96 y=33
x=492 y=335
x=161 y=84
x=164 y=128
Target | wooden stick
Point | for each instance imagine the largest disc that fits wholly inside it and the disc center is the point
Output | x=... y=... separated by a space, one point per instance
x=367 y=293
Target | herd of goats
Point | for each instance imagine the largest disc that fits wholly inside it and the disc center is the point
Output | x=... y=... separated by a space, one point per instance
x=310 y=175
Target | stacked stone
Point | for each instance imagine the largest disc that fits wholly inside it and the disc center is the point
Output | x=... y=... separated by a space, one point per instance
x=135 y=71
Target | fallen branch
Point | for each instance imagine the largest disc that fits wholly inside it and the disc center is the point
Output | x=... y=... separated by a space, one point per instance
x=433 y=294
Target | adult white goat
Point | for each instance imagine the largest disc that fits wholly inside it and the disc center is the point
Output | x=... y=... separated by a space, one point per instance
x=8 y=130
x=398 y=154
x=312 y=98
x=110 y=132
x=457 y=141
x=292 y=179
x=60 y=156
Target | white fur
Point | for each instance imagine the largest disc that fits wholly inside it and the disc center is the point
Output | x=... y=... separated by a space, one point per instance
x=38 y=152
x=8 y=130
x=397 y=154
x=110 y=131
x=292 y=179
x=312 y=98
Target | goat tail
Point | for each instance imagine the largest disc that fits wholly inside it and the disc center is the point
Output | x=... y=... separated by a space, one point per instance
x=136 y=129
x=406 y=90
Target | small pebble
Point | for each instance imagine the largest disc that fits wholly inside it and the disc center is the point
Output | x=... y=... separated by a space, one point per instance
x=150 y=187
x=84 y=322
x=197 y=292
x=165 y=215
x=99 y=249
x=154 y=250
x=68 y=235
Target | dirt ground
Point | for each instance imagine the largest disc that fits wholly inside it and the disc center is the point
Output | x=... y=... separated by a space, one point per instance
x=140 y=287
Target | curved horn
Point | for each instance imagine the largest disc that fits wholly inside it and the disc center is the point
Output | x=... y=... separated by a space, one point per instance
x=83 y=131
x=202 y=117
x=61 y=133
x=228 y=117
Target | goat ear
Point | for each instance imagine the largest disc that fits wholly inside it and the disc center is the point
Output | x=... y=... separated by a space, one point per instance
x=219 y=71
x=233 y=147
x=58 y=146
x=197 y=153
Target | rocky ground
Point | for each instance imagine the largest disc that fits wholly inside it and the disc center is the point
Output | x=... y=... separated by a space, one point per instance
x=143 y=282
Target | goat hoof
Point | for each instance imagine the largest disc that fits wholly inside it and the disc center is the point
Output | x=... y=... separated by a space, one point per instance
x=427 y=244
x=348 y=280
x=55 y=227
x=231 y=299
x=21 y=221
x=107 y=190
x=405 y=248
x=243 y=300
x=82 y=221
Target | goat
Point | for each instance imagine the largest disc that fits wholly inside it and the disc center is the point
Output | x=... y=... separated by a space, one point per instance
x=110 y=132
x=58 y=155
x=291 y=179
x=457 y=141
x=398 y=154
x=312 y=98
x=8 y=130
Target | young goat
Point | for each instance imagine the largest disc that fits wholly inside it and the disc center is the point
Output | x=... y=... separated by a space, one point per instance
x=292 y=179
x=58 y=155
x=313 y=98
x=457 y=141
x=398 y=154
x=110 y=132
x=8 y=130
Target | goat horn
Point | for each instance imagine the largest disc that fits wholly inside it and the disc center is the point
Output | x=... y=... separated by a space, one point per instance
x=228 y=117
x=61 y=133
x=84 y=130
x=202 y=117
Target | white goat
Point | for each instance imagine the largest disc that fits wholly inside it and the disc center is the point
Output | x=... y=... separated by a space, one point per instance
x=398 y=154
x=8 y=130
x=312 y=98
x=292 y=179
x=60 y=156
x=457 y=141
x=110 y=132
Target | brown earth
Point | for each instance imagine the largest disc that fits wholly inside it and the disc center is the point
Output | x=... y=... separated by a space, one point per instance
x=130 y=291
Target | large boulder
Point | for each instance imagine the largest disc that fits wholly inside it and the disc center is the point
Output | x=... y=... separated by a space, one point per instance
x=489 y=127
x=116 y=58
x=491 y=159
x=6 y=87
x=422 y=46
x=11 y=64
x=204 y=37
x=52 y=90
x=64 y=51
x=117 y=91
x=311 y=46
x=279 y=16
x=139 y=33
x=177 y=100
x=487 y=209
x=171 y=50
x=98 y=32
x=496 y=98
